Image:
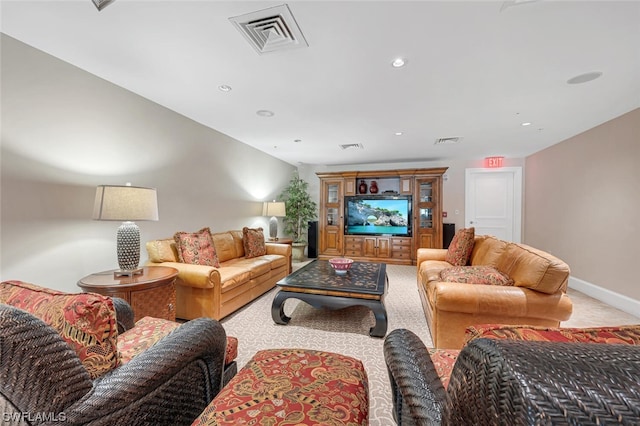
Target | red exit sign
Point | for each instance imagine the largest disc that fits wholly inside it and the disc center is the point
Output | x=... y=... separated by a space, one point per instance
x=493 y=162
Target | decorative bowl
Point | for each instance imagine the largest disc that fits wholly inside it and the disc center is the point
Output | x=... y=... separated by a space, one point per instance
x=341 y=264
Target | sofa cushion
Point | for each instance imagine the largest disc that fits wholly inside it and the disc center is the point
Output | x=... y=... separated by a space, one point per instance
x=86 y=321
x=533 y=268
x=196 y=248
x=487 y=249
x=162 y=251
x=460 y=248
x=626 y=334
x=239 y=242
x=475 y=275
x=148 y=331
x=253 y=240
x=225 y=245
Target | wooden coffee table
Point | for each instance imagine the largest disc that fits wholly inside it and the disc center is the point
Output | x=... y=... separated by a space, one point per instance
x=317 y=284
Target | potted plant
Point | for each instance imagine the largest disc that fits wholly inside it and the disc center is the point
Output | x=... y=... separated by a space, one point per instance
x=300 y=209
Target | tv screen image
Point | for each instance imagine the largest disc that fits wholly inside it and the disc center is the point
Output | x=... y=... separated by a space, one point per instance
x=389 y=215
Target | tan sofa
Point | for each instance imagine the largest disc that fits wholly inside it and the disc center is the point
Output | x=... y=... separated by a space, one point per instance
x=537 y=296
x=206 y=291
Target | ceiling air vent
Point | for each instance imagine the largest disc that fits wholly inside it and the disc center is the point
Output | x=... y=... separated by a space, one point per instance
x=270 y=30
x=447 y=141
x=351 y=145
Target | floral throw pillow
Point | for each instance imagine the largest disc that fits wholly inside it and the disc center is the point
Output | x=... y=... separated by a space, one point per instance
x=487 y=275
x=461 y=247
x=196 y=248
x=86 y=321
x=253 y=241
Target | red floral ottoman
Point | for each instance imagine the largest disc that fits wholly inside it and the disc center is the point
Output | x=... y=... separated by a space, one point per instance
x=293 y=387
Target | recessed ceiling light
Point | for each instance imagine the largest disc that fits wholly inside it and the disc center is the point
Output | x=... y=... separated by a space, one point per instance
x=398 y=133
x=297 y=140
x=265 y=113
x=399 y=62
x=224 y=88
x=584 y=78
x=526 y=124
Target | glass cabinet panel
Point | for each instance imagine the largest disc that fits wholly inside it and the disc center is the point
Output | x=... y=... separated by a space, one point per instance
x=332 y=216
x=426 y=218
x=426 y=195
x=332 y=193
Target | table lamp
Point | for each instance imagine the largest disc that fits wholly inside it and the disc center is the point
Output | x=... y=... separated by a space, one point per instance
x=274 y=209
x=126 y=203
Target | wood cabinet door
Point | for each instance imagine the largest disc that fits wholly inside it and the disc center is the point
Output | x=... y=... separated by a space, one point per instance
x=331 y=217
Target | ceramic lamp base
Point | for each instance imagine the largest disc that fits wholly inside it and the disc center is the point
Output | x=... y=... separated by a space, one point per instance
x=128 y=244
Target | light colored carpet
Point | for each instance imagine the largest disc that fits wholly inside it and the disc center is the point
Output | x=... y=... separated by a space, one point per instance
x=346 y=331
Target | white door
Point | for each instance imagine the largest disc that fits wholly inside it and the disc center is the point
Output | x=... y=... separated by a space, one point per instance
x=493 y=202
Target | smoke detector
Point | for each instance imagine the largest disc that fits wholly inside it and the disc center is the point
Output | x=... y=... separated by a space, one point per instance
x=270 y=30
x=447 y=141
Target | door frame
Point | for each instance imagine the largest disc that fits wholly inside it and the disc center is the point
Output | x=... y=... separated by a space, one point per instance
x=517 y=197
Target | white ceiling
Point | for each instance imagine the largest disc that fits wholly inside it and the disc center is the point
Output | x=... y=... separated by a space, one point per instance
x=476 y=70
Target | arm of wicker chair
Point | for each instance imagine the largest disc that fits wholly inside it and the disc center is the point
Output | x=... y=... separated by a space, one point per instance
x=39 y=372
x=544 y=383
x=170 y=383
x=418 y=394
x=124 y=314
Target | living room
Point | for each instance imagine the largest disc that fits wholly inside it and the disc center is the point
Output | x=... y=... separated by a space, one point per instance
x=66 y=130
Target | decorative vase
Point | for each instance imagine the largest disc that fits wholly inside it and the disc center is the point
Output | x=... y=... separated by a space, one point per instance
x=362 y=189
x=373 y=188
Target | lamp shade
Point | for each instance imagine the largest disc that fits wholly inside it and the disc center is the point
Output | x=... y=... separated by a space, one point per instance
x=125 y=203
x=274 y=208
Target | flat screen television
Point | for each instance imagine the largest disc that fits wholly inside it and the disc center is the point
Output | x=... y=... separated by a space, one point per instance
x=378 y=215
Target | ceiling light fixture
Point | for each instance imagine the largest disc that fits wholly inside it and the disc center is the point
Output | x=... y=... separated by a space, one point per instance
x=224 y=88
x=398 y=133
x=399 y=62
x=265 y=113
x=526 y=123
x=297 y=140
x=584 y=78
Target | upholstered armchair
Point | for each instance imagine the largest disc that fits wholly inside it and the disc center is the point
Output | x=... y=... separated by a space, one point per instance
x=46 y=379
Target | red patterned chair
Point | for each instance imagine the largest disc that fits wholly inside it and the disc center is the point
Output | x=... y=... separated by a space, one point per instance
x=293 y=387
x=528 y=374
x=78 y=358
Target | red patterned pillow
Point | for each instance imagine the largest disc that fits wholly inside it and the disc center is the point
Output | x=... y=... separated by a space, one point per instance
x=625 y=334
x=475 y=275
x=196 y=248
x=86 y=321
x=253 y=241
x=461 y=247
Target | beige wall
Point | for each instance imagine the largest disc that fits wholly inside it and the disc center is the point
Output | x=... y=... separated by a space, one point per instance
x=582 y=199
x=64 y=131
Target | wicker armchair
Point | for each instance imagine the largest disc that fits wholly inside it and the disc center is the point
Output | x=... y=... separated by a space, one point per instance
x=42 y=380
x=515 y=382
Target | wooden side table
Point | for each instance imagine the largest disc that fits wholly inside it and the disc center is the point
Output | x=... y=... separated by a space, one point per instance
x=152 y=293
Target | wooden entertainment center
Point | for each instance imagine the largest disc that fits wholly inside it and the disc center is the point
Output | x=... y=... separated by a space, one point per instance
x=422 y=186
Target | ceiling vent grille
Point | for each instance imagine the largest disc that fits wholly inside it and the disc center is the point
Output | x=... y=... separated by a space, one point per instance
x=447 y=141
x=271 y=29
x=351 y=145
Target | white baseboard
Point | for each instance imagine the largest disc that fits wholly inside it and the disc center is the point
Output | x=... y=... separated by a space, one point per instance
x=617 y=300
